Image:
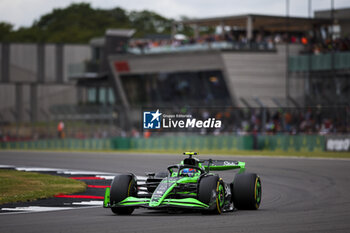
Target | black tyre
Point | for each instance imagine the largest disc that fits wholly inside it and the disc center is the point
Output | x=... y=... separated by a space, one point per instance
x=246 y=191
x=122 y=187
x=211 y=191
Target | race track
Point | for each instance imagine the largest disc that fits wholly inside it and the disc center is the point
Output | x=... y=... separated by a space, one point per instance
x=299 y=195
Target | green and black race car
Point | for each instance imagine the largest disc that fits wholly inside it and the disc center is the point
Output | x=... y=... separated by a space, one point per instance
x=188 y=185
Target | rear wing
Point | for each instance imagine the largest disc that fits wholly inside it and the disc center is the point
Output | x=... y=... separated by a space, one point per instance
x=222 y=165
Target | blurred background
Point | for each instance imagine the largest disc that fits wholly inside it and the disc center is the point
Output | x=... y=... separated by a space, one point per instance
x=78 y=76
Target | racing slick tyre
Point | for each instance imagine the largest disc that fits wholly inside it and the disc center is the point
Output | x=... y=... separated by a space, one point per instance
x=211 y=191
x=122 y=186
x=246 y=191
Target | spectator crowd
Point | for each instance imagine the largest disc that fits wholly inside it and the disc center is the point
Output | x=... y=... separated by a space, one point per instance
x=238 y=40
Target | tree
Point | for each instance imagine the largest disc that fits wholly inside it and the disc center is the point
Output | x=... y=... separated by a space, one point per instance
x=147 y=22
x=5 y=30
x=79 y=23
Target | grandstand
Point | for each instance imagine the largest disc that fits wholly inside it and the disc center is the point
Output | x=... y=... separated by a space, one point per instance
x=256 y=61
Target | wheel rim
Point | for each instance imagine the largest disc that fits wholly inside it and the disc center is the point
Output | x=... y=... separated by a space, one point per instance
x=221 y=195
x=257 y=192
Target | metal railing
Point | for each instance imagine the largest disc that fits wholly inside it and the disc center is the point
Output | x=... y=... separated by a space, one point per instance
x=220 y=45
x=320 y=62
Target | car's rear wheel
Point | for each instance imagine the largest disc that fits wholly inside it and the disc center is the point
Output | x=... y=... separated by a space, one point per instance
x=211 y=191
x=122 y=186
x=247 y=191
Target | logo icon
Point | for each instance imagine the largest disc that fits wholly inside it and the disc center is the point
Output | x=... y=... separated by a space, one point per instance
x=151 y=120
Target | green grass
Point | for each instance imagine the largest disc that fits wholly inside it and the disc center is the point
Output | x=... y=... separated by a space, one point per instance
x=18 y=186
x=320 y=154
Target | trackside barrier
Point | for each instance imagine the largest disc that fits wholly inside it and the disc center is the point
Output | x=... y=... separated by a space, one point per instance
x=60 y=144
x=193 y=143
x=302 y=143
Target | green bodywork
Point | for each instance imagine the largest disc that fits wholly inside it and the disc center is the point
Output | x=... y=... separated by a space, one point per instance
x=146 y=202
x=166 y=187
x=107 y=198
x=157 y=200
x=229 y=166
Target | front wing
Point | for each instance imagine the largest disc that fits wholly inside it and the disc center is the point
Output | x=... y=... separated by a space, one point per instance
x=190 y=203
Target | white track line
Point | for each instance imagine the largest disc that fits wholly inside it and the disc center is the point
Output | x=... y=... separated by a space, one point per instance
x=106 y=177
x=37 y=169
x=7 y=166
x=111 y=177
x=69 y=172
x=59 y=171
x=92 y=203
x=29 y=212
x=37 y=209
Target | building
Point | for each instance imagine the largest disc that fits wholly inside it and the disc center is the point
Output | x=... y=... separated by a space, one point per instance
x=41 y=82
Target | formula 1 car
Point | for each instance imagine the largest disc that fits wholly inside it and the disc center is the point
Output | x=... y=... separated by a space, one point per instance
x=188 y=185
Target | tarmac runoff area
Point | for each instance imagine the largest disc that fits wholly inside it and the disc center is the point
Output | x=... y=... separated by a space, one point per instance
x=299 y=195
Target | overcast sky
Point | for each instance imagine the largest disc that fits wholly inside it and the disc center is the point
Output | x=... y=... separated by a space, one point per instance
x=24 y=12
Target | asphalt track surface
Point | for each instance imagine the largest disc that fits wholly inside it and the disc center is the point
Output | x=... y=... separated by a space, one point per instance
x=299 y=195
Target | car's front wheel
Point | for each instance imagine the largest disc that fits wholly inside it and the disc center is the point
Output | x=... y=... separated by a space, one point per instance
x=122 y=186
x=211 y=191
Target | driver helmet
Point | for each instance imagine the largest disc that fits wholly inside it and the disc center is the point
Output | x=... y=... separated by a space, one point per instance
x=189 y=172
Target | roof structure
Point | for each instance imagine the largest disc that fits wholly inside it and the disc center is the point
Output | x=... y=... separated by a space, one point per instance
x=266 y=22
